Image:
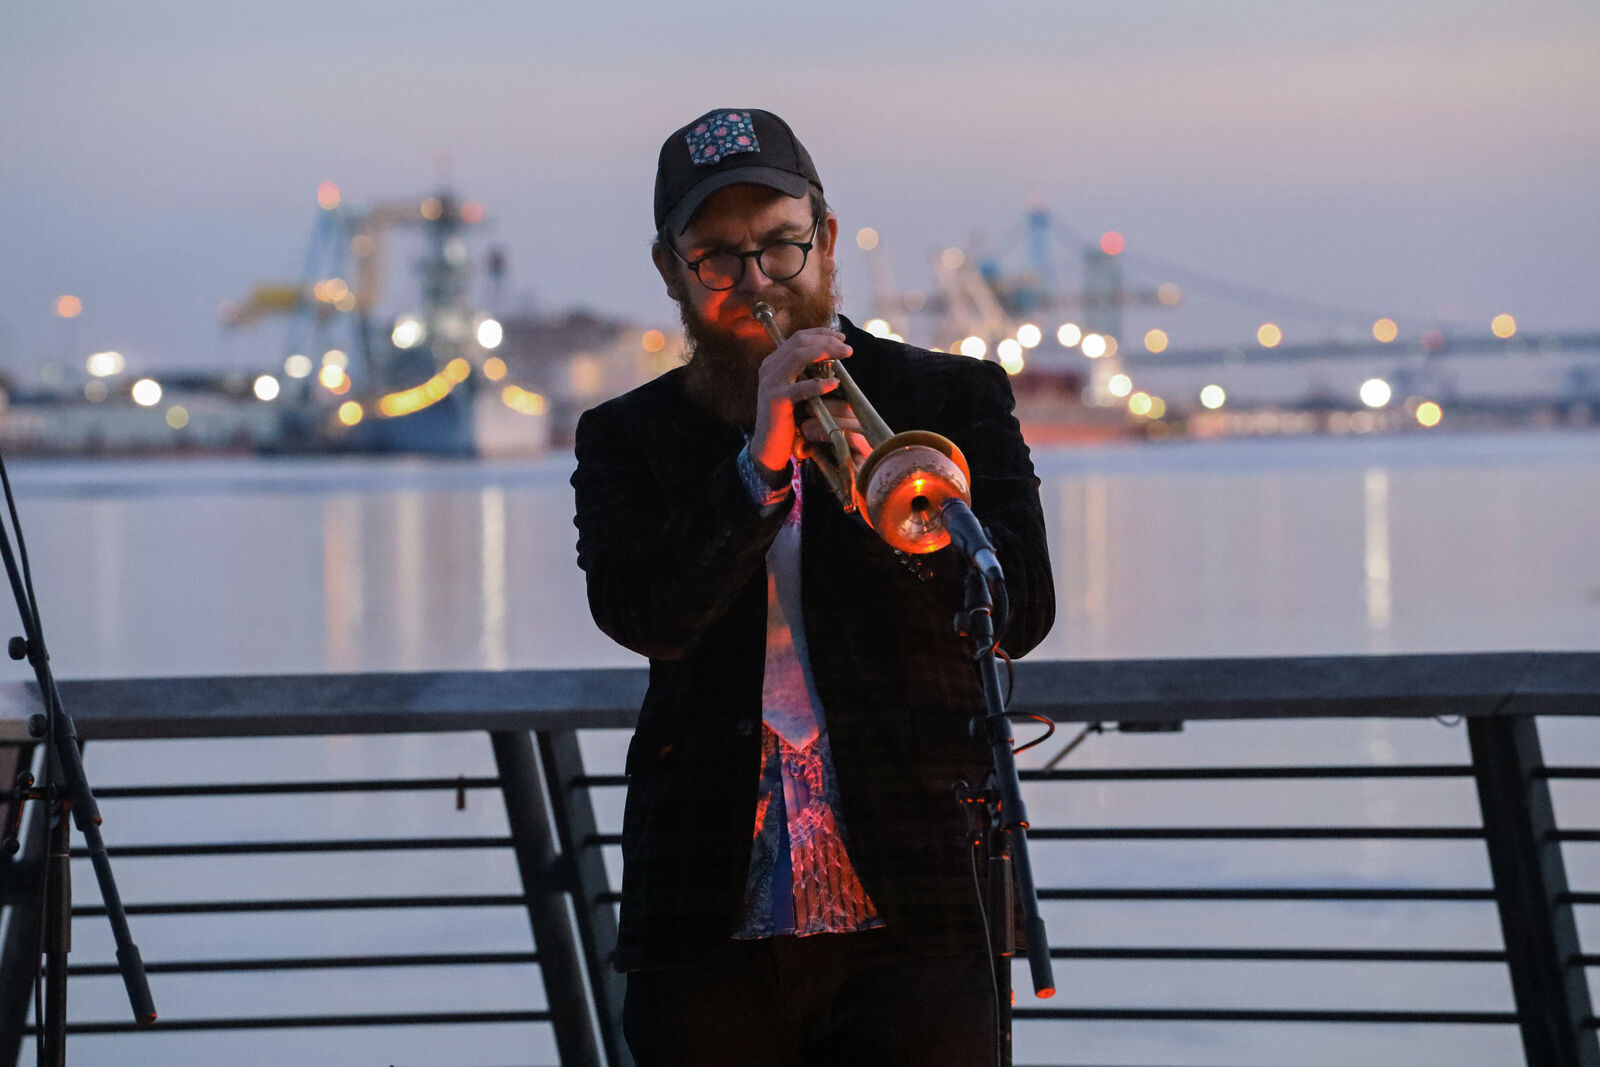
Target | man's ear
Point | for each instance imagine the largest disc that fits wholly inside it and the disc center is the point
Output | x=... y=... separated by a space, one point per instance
x=667 y=266
x=828 y=237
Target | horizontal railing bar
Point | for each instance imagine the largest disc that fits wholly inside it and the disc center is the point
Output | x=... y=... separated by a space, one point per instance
x=1471 y=685
x=1298 y=955
x=1227 y=893
x=1266 y=1015
x=1155 y=774
x=598 y=781
x=312 y=963
x=226 y=789
x=1253 y=833
x=252 y=848
x=1566 y=772
x=215 y=907
x=291 y=1022
x=1573 y=835
x=1577 y=898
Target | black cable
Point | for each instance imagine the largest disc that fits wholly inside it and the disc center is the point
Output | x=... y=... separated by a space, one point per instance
x=1049 y=731
x=988 y=953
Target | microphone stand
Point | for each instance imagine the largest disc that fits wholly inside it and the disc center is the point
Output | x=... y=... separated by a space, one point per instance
x=66 y=791
x=1010 y=870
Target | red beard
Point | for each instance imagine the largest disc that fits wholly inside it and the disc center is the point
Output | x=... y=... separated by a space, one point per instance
x=723 y=366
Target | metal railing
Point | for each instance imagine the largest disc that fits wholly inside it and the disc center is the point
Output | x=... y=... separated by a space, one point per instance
x=1108 y=887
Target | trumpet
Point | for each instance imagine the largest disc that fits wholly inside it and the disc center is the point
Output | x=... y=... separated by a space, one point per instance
x=901 y=487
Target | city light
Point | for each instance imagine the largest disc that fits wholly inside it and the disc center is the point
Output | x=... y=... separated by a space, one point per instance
x=1069 y=335
x=95 y=391
x=407 y=332
x=472 y=213
x=105 y=364
x=1120 y=385
x=146 y=392
x=1009 y=352
x=952 y=258
x=432 y=208
x=68 y=306
x=297 y=366
x=350 y=413
x=266 y=387
x=1375 y=393
x=328 y=196
x=876 y=327
x=334 y=379
x=1111 y=243
x=523 y=401
x=1029 y=335
x=653 y=340
x=1269 y=335
x=1169 y=294
x=1155 y=341
x=975 y=347
x=1385 y=330
x=1429 y=414
x=866 y=238
x=1140 y=403
x=1213 y=397
x=177 y=417
x=494 y=368
x=490 y=334
x=1094 y=346
x=335 y=357
x=1504 y=326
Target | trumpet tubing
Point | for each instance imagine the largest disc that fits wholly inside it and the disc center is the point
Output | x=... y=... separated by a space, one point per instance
x=900 y=488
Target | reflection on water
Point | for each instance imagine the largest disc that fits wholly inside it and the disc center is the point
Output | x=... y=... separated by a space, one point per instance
x=1190 y=549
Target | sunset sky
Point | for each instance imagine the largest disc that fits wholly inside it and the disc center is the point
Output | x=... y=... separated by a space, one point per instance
x=1432 y=161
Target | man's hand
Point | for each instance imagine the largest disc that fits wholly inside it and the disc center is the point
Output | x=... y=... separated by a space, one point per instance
x=780 y=387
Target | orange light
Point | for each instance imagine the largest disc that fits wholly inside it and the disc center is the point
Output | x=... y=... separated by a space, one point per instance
x=1385 y=330
x=471 y=212
x=1155 y=341
x=523 y=401
x=1269 y=335
x=350 y=413
x=1504 y=326
x=1429 y=414
x=1111 y=243
x=328 y=196
x=457 y=370
x=654 y=340
x=68 y=306
x=432 y=208
x=494 y=368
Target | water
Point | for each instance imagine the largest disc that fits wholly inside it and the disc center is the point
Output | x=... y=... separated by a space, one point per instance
x=1248 y=547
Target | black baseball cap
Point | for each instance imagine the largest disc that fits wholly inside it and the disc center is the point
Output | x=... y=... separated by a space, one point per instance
x=728 y=146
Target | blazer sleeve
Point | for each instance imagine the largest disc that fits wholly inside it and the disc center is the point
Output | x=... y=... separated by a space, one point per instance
x=1005 y=498
x=662 y=562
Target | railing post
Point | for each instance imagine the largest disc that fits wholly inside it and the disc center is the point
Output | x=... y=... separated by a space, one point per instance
x=1530 y=882
x=597 y=922
x=523 y=787
x=19 y=960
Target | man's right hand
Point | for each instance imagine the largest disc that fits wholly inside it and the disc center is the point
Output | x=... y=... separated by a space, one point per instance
x=781 y=385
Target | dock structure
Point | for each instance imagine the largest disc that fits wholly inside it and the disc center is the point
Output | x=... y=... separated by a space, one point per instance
x=560 y=835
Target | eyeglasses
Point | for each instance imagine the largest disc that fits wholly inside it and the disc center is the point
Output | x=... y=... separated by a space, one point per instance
x=779 y=261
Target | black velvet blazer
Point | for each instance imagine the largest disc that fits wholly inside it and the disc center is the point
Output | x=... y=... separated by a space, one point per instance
x=674 y=555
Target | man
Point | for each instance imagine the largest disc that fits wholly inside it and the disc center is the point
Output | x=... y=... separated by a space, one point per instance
x=797 y=883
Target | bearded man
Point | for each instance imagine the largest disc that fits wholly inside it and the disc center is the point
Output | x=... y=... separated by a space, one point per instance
x=798 y=886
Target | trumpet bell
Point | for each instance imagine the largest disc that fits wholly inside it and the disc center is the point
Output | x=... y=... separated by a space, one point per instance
x=903 y=485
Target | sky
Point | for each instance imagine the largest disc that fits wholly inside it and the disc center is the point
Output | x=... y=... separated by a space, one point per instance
x=1430 y=160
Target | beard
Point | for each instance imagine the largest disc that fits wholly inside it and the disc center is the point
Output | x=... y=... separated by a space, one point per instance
x=723 y=367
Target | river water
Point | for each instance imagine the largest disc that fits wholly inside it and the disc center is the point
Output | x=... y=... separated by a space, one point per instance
x=1416 y=543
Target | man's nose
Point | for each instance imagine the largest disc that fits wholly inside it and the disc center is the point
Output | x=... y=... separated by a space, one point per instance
x=754 y=279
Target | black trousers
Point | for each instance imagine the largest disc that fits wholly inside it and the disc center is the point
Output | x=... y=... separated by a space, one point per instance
x=828 y=999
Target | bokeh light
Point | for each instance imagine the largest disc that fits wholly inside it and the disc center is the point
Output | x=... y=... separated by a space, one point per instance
x=1029 y=335
x=1269 y=335
x=1111 y=243
x=1094 y=346
x=1504 y=326
x=1429 y=414
x=866 y=238
x=974 y=346
x=1385 y=330
x=1069 y=335
x=1375 y=392
x=68 y=306
x=1213 y=397
x=266 y=387
x=1155 y=341
x=490 y=333
x=146 y=392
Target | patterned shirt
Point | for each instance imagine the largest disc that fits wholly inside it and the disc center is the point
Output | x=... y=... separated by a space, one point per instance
x=801 y=879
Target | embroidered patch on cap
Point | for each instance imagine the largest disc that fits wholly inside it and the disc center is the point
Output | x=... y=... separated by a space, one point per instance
x=722 y=135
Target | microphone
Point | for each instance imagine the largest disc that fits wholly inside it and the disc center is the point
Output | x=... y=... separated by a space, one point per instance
x=968 y=536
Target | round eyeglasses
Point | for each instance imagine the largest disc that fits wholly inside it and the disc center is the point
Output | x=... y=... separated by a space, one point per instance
x=779 y=261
